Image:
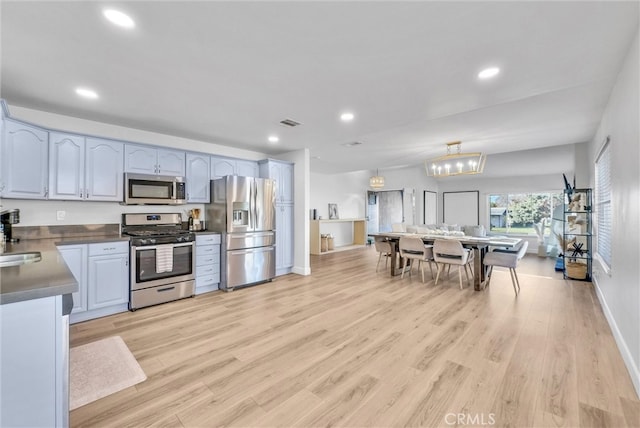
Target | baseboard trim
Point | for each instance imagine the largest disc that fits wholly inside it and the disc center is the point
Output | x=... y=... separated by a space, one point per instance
x=634 y=370
x=301 y=270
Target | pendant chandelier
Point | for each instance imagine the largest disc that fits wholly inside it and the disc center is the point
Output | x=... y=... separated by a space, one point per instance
x=377 y=181
x=455 y=162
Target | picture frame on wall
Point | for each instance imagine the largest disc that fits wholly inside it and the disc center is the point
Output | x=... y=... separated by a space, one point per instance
x=333 y=211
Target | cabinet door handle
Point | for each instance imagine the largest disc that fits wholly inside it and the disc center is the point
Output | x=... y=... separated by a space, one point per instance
x=46 y=191
x=126 y=262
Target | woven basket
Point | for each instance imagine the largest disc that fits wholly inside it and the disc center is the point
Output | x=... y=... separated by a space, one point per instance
x=576 y=270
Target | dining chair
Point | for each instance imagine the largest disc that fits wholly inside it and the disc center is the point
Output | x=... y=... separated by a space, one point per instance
x=398 y=228
x=451 y=252
x=508 y=260
x=383 y=247
x=412 y=248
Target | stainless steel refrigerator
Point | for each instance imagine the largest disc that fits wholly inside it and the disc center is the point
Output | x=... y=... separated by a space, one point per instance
x=242 y=209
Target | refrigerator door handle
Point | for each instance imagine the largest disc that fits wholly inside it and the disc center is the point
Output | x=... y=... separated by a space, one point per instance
x=251 y=251
x=255 y=205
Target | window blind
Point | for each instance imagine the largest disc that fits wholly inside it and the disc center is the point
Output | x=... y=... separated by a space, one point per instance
x=603 y=213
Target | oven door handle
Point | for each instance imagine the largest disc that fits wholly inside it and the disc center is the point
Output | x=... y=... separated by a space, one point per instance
x=153 y=247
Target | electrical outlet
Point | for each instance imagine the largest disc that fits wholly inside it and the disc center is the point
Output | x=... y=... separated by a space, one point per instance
x=60 y=215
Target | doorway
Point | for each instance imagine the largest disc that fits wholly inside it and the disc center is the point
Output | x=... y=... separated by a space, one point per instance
x=384 y=208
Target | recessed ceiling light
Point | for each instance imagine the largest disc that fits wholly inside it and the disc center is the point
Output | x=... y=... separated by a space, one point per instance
x=488 y=73
x=119 y=18
x=273 y=139
x=346 y=117
x=87 y=93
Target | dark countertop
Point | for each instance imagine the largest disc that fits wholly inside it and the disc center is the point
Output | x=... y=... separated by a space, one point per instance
x=205 y=232
x=48 y=277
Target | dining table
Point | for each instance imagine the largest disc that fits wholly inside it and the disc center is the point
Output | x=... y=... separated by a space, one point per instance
x=479 y=244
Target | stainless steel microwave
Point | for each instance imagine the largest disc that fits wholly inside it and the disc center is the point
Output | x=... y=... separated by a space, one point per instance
x=144 y=189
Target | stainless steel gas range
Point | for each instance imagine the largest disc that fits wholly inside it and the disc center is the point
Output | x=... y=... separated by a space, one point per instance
x=162 y=259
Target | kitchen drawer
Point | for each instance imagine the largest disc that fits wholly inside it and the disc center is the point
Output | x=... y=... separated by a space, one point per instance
x=105 y=248
x=207 y=239
x=154 y=295
x=208 y=269
x=206 y=280
x=208 y=250
x=207 y=259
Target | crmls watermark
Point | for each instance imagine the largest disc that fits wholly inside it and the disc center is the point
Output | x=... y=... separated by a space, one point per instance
x=476 y=419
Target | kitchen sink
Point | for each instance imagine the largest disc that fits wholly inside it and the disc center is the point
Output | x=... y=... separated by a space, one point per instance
x=19 y=258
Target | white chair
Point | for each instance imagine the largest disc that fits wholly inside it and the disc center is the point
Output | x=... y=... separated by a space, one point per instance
x=412 y=248
x=398 y=228
x=383 y=247
x=451 y=252
x=508 y=260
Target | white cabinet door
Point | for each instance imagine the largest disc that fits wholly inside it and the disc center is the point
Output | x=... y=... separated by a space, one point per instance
x=286 y=183
x=24 y=160
x=287 y=236
x=221 y=167
x=282 y=173
x=245 y=168
x=66 y=166
x=147 y=160
x=104 y=170
x=108 y=280
x=76 y=258
x=140 y=159
x=284 y=238
x=31 y=362
x=171 y=162
x=198 y=178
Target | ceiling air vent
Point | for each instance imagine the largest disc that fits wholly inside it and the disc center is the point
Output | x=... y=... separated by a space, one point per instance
x=352 y=144
x=289 y=122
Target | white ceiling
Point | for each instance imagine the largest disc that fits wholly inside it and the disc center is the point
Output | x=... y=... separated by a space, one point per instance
x=228 y=72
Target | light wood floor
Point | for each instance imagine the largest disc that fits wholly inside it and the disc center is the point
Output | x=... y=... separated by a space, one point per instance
x=348 y=346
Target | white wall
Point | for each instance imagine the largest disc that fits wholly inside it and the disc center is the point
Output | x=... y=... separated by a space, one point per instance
x=44 y=213
x=35 y=213
x=105 y=130
x=349 y=190
x=619 y=290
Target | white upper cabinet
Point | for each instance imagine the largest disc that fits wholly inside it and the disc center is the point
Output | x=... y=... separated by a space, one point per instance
x=282 y=173
x=140 y=159
x=221 y=167
x=24 y=160
x=198 y=178
x=149 y=160
x=245 y=168
x=66 y=166
x=80 y=170
x=171 y=162
x=104 y=170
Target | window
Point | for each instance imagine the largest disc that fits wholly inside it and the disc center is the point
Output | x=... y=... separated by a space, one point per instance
x=517 y=213
x=603 y=205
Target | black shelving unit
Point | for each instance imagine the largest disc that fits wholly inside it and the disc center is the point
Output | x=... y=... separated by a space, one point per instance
x=577 y=235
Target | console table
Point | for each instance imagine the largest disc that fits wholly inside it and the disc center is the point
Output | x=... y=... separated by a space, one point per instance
x=359 y=230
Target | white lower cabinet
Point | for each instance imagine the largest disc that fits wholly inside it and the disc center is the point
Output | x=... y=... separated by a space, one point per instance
x=102 y=272
x=207 y=263
x=33 y=364
x=284 y=239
